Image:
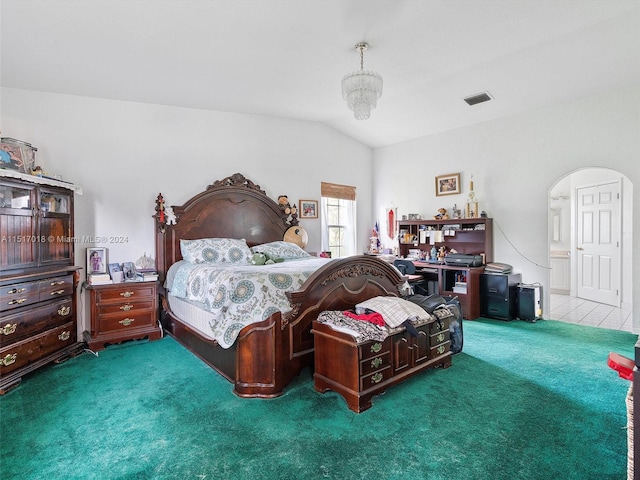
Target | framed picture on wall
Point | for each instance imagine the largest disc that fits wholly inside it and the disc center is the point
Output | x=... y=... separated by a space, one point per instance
x=308 y=208
x=448 y=184
x=96 y=260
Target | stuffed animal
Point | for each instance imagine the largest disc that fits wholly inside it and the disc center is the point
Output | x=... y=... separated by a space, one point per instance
x=442 y=214
x=259 y=258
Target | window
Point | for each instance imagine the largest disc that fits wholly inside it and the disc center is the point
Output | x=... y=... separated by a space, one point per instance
x=338 y=207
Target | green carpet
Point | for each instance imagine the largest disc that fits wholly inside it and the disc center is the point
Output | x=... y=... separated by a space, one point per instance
x=522 y=401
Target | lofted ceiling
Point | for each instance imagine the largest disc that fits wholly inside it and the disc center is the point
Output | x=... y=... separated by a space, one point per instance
x=286 y=58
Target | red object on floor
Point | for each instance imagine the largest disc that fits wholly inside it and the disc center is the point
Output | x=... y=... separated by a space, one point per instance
x=622 y=365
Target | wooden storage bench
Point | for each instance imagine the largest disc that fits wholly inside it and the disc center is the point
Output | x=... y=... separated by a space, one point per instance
x=359 y=371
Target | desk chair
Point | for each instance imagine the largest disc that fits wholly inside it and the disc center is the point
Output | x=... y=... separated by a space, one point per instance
x=408 y=269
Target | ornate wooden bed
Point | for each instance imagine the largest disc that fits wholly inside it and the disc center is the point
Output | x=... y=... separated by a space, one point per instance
x=266 y=355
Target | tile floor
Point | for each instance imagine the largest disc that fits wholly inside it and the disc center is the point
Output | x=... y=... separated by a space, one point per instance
x=586 y=312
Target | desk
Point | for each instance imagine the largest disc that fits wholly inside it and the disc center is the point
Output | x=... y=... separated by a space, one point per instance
x=456 y=281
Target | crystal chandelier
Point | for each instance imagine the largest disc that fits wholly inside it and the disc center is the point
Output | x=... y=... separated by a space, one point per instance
x=362 y=89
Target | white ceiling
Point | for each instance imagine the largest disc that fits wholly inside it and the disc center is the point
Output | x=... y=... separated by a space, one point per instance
x=286 y=58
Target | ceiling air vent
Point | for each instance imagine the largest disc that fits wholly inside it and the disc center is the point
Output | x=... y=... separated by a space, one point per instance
x=479 y=98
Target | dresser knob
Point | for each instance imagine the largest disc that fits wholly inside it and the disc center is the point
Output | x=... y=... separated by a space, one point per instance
x=18 y=301
x=63 y=311
x=57 y=292
x=127 y=321
x=127 y=294
x=59 y=282
x=126 y=307
x=64 y=336
x=8 y=359
x=9 y=328
x=377 y=378
x=17 y=290
x=376 y=347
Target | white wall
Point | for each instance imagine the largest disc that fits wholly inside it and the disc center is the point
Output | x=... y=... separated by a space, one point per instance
x=515 y=162
x=123 y=154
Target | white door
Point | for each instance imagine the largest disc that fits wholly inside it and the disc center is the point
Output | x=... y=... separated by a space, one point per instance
x=598 y=243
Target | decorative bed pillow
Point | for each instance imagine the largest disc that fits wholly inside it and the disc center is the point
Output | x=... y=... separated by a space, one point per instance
x=280 y=249
x=215 y=250
x=394 y=310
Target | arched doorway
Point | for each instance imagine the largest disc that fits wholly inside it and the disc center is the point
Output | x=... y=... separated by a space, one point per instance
x=578 y=277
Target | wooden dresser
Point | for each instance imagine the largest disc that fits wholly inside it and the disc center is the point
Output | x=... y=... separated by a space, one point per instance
x=123 y=311
x=359 y=371
x=38 y=282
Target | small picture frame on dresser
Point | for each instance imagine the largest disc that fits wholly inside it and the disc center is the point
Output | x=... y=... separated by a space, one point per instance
x=129 y=271
x=96 y=260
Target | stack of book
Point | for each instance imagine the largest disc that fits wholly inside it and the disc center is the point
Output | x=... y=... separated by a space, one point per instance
x=99 y=279
x=460 y=287
x=147 y=275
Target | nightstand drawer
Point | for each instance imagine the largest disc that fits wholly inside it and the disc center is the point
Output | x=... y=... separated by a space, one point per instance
x=126 y=291
x=137 y=306
x=128 y=321
x=22 y=353
x=28 y=322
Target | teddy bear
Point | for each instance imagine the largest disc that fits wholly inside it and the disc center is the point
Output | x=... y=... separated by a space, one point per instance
x=442 y=214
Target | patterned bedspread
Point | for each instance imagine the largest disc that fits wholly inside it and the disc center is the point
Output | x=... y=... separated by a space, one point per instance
x=239 y=295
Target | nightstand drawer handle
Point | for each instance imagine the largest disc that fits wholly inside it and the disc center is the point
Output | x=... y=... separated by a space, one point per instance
x=440 y=337
x=59 y=282
x=62 y=311
x=127 y=321
x=57 y=292
x=126 y=307
x=127 y=294
x=376 y=347
x=17 y=290
x=377 y=378
x=64 y=336
x=9 y=359
x=9 y=328
x=18 y=301
x=441 y=349
x=376 y=362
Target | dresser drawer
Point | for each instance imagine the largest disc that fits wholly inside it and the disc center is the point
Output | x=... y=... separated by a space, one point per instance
x=127 y=321
x=376 y=363
x=375 y=378
x=22 y=353
x=374 y=348
x=124 y=306
x=19 y=295
x=439 y=337
x=439 y=326
x=437 y=350
x=27 y=322
x=128 y=292
x=55 y=287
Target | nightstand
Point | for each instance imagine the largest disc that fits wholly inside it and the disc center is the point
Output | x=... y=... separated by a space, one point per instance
x=123 y=311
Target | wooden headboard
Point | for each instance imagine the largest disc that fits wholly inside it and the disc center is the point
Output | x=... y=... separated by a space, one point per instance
x=233 y=207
